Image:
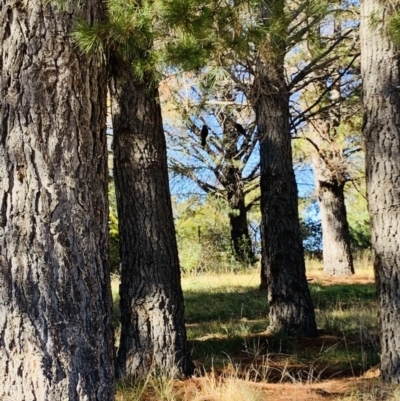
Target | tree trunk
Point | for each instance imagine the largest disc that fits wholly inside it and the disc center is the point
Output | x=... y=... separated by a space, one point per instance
x=291 y=309
x=338 y=260
x=381 y=128
x=240 y=236
x=56 y=335
x=153 y=332
x=233 y=184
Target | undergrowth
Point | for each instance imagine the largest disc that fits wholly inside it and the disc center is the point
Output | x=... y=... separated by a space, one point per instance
x=226 y=319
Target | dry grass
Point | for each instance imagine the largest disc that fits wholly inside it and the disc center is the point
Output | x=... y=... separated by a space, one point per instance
x=373 y=391
x=256 y=368
x=236 y=384
x=362 y=266
x=210 y=387
x=251 y=279
x=204 y=282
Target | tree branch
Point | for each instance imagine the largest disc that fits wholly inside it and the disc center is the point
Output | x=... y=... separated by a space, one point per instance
x=313 y=65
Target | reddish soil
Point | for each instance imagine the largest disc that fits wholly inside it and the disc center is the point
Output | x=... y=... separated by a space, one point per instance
x=318 y=391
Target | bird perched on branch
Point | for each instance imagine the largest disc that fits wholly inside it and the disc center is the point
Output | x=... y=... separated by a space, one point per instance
x=203 y=135
x=240 y=129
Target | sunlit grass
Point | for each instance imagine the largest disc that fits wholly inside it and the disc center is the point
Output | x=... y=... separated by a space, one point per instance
x=362 y=267
x=227 y=317
x=211 y=387
x=227 y=282
x=373 y=391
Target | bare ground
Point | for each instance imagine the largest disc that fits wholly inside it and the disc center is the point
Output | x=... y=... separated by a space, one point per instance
x=196 y=389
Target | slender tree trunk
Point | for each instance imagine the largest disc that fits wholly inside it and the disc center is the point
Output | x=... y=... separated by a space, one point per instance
x=338 y=260
x=283 y=268
x=153 y=332
x=282 y=263
x=232 y=181
x=380 y=63
x=240 y=236
x=56 y=335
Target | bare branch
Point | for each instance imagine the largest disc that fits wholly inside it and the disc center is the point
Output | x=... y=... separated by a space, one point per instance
x=313 y=65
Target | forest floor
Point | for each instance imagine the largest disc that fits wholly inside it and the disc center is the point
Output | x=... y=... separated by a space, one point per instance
x=237 y=360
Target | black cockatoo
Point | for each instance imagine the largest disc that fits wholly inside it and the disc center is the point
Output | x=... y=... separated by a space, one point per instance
x=203 y=135
x=240 y=129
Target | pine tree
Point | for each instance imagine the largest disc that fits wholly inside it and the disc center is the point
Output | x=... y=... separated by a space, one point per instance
x=224 y=167
x=55 y=309
x=291 y=309
x=153 y=333
x=252 y=44
x=331 y=100
x=381 y=129
x=252 y=50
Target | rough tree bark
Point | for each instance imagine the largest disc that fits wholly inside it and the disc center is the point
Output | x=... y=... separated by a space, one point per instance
x=337 y=255
x=282 y=263
x=153 y=332
x=380 y=63
x=338 y=260
x=56 y=336
x=291 y=309
x=330 y=167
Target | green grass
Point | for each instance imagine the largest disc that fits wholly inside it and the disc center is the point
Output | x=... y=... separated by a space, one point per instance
x=205 y=306
x=227 y=317
x=342 y=296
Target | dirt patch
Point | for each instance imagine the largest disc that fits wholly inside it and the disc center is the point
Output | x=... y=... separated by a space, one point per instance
x=218 y=388
x=329 y=280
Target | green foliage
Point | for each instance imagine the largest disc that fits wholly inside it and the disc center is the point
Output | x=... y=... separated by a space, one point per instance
x=231 y=31
x=394 y=27
x=114 y=256
x=203 y=236
x=89 y=38
x=198 y=27
x=130 y=33
x=193 y=16
x=186 y=51
x=358 y=217
x=311 y=232
x=150 y=35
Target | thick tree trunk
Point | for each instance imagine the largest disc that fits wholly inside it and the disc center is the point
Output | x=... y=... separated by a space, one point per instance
x=56 y=336
x=291 y=309
x=381 y=93
x=338 y=260
x=153 y=332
